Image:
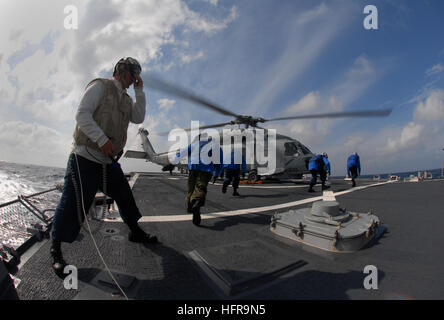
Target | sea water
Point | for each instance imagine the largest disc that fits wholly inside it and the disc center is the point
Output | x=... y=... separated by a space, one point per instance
x=17 y=222
x=25 y=179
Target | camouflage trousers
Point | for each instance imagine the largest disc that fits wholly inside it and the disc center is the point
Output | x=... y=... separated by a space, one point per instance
x=197 y=185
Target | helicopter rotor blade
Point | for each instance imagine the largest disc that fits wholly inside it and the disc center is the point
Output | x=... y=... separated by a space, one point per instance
x=366 y=113
x=161 y=85
x=165 y=133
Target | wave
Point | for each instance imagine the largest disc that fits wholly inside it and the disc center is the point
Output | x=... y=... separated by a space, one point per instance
x=19 y=179
x=10 y=187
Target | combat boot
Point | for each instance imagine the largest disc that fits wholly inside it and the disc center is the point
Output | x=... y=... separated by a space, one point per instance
x=224 y=187
x=189 y=206
x=353 y=183
x=196 y=212
x=58 y=264
x=235 y=193
x=324 y=187
x=311 y=189
x=136 y=234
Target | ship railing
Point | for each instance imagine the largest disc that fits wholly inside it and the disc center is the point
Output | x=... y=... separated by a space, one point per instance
x=25 y=218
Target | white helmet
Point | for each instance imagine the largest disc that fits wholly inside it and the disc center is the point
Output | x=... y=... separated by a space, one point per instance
x=127 y=64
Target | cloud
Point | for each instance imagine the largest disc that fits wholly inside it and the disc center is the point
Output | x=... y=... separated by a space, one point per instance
x=354 y=142
x=422 y=133
x=312 y=14
x=213 y=2
x=187 y=58
x=358 y=78
x=335 y=97
x=306 y=104
x=44 y=68
x=308 y=36
x=31 y=142
x=139 y=29
x=436 y=69
x=15 y=34
x=408 y=138
x=416 y=145
x=166 y=104
x=432 y=109
x=196 y=23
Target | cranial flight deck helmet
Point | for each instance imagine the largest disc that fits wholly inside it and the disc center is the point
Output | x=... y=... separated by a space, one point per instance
x=127 y=64
x=325 y=155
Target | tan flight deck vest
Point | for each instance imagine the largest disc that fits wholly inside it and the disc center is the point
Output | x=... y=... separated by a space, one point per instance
x=112 y=115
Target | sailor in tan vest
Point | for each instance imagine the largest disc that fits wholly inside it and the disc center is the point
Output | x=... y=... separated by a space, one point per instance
x=103 y=116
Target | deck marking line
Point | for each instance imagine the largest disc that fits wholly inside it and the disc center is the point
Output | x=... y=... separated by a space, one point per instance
x=328 y=196
x=266 y=187
x=133 y=180
x=187 y=217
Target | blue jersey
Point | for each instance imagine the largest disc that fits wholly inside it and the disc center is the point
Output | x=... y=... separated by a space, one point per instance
x=317 y=163
x=353 y=161
x=231 y=165
x=195 y=161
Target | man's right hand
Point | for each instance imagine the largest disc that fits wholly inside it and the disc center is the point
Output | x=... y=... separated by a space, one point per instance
x=138 y=81
x=108 y=148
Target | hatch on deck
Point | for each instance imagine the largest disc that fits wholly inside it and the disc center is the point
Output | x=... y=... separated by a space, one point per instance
x=239 y=267
x=328 y=227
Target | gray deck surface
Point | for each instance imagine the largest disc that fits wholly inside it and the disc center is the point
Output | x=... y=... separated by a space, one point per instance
x=249 y=261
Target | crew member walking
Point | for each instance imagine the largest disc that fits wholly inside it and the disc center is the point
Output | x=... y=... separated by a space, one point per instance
x=353 y=167
x=319 y=164
x=200 y=174
x=232 y=172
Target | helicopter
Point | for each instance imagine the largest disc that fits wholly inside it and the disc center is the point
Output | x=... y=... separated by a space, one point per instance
x=291 y=156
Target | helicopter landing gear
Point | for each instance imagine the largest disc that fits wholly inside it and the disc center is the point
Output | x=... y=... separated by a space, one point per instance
x=253 y=176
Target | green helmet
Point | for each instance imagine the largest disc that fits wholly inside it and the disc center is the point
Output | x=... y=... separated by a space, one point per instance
x=127 y=64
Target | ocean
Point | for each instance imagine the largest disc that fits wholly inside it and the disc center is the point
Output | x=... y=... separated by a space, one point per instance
x=21 y=219
x=25 y=179
x=436 y=173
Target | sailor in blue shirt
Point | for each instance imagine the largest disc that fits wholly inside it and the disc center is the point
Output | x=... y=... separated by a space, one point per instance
x=232 y=172
x=353 y=167
x=319 y=164
x=199 y=175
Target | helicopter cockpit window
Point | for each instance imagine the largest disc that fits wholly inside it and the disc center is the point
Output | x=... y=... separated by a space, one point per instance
x=290 y=149
x=304 y=149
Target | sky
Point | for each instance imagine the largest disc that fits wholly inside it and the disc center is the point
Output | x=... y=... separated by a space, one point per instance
x=253 y=57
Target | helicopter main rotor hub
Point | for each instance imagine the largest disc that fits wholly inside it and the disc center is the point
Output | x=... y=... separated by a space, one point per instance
x=248 y=120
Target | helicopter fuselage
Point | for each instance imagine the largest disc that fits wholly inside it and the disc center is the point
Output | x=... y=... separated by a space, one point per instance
x=267 y=154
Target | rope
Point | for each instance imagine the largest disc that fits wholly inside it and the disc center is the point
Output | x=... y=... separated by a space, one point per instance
x=89 y=227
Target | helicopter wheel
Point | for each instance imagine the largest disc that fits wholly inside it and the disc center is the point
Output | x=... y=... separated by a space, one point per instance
x=253 y=176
